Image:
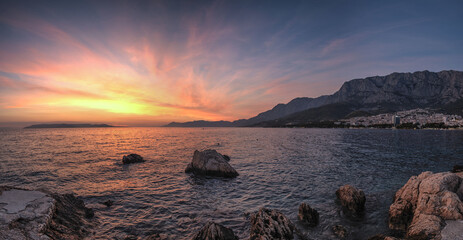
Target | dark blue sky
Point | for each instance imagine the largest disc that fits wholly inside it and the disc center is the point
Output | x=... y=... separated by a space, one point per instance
x=184 y=60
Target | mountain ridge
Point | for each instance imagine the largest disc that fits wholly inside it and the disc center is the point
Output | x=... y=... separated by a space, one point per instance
x=389 y=93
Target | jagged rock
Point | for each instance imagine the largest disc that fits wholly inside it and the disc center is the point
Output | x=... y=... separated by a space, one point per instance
x=424 y=202
x=457 y=168
x=308 y=215
x=210 y=162
x=352 y=199
x=132 y=158
x=271 y=224
x=214 y=231
x=26 y=214
x=340 y=231
x=405 y=199
x=424 y=227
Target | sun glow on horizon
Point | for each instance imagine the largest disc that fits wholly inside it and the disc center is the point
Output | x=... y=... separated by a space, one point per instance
x=163 y=61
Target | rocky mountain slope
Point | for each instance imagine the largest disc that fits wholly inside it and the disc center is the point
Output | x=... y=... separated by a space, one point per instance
x=394 y=92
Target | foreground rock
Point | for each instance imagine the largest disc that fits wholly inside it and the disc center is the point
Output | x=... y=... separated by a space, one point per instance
x=26 y=214
x=423 y=204
x=457 y=168
x=351 y=199
x=211 y=163
x=339 y=231
x=132 y=158
x=214 y=231
x=308 y=215
x=271 y=224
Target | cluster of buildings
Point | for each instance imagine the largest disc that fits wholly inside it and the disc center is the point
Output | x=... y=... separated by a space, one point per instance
x=418 y=116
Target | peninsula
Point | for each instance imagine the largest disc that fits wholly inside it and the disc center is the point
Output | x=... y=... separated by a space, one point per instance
x=66 y=125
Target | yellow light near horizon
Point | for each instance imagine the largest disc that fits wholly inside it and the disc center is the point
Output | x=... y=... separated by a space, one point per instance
x=113 y=106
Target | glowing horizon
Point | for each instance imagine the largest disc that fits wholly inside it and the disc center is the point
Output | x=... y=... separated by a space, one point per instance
x=144 y=63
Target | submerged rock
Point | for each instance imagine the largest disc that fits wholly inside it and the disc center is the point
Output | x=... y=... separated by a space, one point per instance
x=340 y=231
x=214 y=231
x=424 y=202
x=457 y=168
x=132 y=158
x=26 y=214
x=108 y=203
x=351 y=199
x=271 y=224
x=211 y=163
x=381 y=237
x=308 y=215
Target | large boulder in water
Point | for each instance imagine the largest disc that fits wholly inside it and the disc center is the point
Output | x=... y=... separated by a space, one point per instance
x=351 y=199
x=308 y=215
x=423 y=204
x=210 y=162
x=132 y=158
x=271 y=224
x=214 y=231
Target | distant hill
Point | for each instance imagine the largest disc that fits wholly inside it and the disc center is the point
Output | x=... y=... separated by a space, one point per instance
x=366 y=96
x=65 y=125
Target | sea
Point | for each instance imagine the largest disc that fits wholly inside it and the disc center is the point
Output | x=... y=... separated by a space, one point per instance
x=279 y=168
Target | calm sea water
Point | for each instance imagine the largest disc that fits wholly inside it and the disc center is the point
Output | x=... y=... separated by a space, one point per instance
x=279 y=168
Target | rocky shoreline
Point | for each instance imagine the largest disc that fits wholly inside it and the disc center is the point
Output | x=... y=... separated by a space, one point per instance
x=428 y=206
x=32 y=214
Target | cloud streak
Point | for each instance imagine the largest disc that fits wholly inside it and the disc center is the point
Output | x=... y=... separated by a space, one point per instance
x=165 y=61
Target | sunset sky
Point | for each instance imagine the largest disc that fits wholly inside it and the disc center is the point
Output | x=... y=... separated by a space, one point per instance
x=147 y=63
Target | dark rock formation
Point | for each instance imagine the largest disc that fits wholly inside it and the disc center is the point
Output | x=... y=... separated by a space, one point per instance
x=271 y=224
x=132 y=158
x=308 y=215
x=26 y=214
x=351 y=199
x=211 y=163
x=214 y=231
x=108 y=203
x=457 y=168
x=71 y=219
x=423 y=204
x=340 y=231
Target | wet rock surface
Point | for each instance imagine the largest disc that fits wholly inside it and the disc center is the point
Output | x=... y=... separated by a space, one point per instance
x=423 y=204
x=211 y=163
x=132 y=158
x=271 y=224
x=308 y=215
x=352 y=200
x=214 y=231
x=26 y=214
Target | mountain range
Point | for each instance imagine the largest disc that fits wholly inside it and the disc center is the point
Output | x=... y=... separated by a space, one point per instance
x=442 y=91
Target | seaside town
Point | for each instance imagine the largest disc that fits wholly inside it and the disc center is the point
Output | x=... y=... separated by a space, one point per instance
x=417 y=118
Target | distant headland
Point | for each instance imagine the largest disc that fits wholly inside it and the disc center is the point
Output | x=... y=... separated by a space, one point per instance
x=67 y=125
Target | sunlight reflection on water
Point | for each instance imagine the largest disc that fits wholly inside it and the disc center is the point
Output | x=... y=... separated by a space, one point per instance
x=279 y=168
